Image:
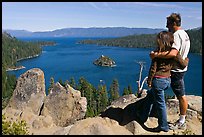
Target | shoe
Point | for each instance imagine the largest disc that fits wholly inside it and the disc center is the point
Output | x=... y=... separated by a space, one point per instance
x=158 y=129
x=177 y=125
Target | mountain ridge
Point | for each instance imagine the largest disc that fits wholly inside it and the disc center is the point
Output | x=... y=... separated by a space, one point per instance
x=85 y=32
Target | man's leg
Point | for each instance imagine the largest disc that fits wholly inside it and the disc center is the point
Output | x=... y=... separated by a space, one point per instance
x=178 y=87
x=183 y=105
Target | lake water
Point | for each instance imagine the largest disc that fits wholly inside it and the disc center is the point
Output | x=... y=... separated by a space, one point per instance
x=68 y=59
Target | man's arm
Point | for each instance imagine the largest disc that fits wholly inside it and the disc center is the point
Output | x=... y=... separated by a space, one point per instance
x=173 y=53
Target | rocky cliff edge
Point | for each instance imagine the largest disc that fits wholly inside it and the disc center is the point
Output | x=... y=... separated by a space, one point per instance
x=62 y=112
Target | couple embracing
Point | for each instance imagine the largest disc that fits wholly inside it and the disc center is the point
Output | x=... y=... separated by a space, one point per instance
x=168 y=67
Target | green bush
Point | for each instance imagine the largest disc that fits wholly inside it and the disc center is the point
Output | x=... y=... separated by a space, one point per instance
x=15 y=128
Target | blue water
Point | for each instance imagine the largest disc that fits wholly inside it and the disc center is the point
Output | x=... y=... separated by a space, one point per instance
x=68 y=59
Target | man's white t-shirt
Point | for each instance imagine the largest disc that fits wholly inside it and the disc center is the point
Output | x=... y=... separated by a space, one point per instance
x=182 y=44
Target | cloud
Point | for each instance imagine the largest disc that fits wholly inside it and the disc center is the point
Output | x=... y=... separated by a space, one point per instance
x=107 y=5
x=157 y=4
x=189 y=16
x=94 y=5
x=199 y=18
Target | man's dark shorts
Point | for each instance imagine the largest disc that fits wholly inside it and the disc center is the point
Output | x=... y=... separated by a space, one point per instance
x=177 y=83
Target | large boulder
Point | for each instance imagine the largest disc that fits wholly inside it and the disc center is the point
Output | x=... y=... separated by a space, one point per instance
x=98 y=126
x=29 y=91
x=194 y=106
x=65 y=105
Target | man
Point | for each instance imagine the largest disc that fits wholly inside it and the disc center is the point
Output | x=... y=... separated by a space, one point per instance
x=181 y=45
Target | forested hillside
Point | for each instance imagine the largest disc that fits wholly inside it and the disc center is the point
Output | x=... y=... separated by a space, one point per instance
x=14 y=49
x=147 y=41
x=196 y=40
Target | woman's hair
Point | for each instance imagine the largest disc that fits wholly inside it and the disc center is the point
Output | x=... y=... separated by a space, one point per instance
x=164 y=41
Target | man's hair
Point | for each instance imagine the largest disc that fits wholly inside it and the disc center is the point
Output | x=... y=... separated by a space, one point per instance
x=175 y=17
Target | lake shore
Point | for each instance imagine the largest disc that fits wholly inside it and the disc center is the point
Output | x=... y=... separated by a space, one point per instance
x=21 y=67
x=15 y=68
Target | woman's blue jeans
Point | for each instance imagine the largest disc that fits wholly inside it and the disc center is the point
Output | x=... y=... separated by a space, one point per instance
x=159 y=85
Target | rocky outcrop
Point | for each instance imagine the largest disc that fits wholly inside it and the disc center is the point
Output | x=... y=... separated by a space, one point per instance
x=64 y=105
x=29 y=91
x=104 y=61
x=98 y=126
x=125 y=111
x=62 y=111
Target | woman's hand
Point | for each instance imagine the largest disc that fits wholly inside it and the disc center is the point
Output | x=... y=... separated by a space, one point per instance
x=153 y=54
x=149 y=83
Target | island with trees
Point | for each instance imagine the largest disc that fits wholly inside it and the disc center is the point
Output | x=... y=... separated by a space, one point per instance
x=104 y=61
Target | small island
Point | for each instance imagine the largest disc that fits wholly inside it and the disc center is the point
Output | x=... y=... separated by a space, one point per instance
x=104 y=61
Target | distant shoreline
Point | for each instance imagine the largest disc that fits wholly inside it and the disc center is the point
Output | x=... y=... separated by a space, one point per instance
x=16 y=68
x=21 y=67
x=29 y=57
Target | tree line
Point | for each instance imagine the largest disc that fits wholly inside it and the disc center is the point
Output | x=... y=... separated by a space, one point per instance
x=147 y=41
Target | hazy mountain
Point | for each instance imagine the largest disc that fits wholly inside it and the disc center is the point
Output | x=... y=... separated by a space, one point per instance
x=85 y=32
x=197 y=28
x=19 y=33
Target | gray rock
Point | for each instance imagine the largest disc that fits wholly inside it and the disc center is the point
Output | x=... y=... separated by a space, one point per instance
x=195 y=103
x=65 y=106
x=98 y=126
x=29 y=91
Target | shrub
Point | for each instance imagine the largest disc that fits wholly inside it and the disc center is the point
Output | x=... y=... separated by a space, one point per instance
x=15 y=128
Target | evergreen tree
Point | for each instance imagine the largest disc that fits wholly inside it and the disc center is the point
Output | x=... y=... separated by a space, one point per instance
x=130 y=89
x=52 y=82
x=82 y=86
x=61 y=82
x=89 y=112
x=87 y=90
x=103 y=98
x=8 y=86
x=114 y=90
x=125 y=91
x=72 y=82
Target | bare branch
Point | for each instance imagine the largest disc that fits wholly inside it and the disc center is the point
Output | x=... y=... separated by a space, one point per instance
x=139 y=91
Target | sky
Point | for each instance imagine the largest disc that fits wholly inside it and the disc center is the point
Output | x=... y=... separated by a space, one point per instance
x=48 y=16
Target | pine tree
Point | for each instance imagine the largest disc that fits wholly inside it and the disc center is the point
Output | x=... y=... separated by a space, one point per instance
x=87 y=90
x=82 y=86
x=130 y=89
x=125 y=91
x=103 y=98
x=52 y=81
x=114 y=90
x=72 y=82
